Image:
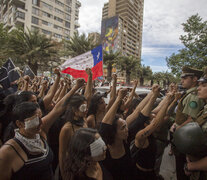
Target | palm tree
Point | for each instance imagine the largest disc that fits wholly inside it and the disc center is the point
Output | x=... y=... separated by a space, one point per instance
x=128 y=64
x=109 y=59
x=32 y=48
x=164 y=78
x=77 y=45
x=144 y=72
x=158 y=77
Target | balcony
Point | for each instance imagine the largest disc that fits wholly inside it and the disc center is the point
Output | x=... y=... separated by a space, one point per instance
x=78 y=4
x=19 y=18
x=77 y=25
x=19 y=3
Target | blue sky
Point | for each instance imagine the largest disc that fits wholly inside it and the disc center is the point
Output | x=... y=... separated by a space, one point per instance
x=161 y=28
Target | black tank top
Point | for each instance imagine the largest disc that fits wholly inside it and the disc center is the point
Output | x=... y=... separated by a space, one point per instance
x=145 y=157
x=37 y=167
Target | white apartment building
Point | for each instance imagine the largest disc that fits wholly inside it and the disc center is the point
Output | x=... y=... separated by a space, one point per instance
x=56 y=18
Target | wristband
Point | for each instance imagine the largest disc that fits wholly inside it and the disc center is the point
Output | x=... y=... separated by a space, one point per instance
x=186 y=167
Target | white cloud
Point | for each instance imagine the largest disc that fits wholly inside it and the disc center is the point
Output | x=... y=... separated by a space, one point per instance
x=163 y=19
x=157 y=51
x=90 y=15
x=159 y=68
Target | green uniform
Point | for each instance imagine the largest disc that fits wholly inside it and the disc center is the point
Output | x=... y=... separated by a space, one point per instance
x=189 y=105
x=202 y=119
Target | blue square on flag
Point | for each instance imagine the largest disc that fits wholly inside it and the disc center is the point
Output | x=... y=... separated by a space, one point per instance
x=97 y=54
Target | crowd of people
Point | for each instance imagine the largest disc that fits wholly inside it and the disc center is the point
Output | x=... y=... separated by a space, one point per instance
x=65 y=130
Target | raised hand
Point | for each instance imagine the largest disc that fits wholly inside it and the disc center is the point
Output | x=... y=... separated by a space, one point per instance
x=80 y=82
x=178 y=95
x=57 y=71
x=114 y=76
x=156 y=89
x=88 y=71
x=135 y=83
x=170 y=96
x=122 y=93
x=27 y=78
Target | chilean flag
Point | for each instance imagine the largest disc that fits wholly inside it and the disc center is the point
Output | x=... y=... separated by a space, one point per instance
x=92 y=59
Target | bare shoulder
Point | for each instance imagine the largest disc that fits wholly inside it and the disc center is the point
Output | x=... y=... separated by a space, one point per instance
x=90 y=118
x=67 y=127
x=7 y=152
x=66 y=130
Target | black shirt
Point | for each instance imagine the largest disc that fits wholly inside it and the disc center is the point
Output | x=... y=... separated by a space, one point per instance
x=122 y=168
x=37 y=167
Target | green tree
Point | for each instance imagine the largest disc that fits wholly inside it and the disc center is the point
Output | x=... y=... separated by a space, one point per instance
x=128 y=64
x=195 y=41
x=77 y=45
x=144 y=72
x=3 y=44
x=164 y=78
x=109 y=60
x=158 y=77
x=32 y=48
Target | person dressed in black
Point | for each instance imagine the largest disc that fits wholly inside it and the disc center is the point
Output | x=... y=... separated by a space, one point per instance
x=144 y=149
x=85 y=150
x=115 y=132
x=27 y=155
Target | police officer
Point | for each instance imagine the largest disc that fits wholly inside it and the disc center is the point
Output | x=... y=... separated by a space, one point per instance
x=188 y=108
x=196 y=146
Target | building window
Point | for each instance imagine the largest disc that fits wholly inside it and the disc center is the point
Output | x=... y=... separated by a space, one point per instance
x=47 y=23
x=68 y=2
x=35 y=20
x=59 y=11
x=58 y=27
x=58 y=36
x=76 y=13
x=67 y=31
x=46 y=32
x=46 y=14
x=67 y=16
x=58 y=19
x=47 y=6
x=59 y=3
x=67 y=24
x=33 y=28
x=36 y=2
x=67 y=38
x=68 y=9
x=20 y=15
x=35 y=11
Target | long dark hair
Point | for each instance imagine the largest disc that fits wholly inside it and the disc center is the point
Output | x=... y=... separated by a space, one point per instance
x=24 y=96
x=25 y=110
x=73 y=103
x=132 y=106
x=8 y=102
x=75 y=163
x=95 y=100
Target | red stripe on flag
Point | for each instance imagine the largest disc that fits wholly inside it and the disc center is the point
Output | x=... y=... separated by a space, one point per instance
x=97 y=71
